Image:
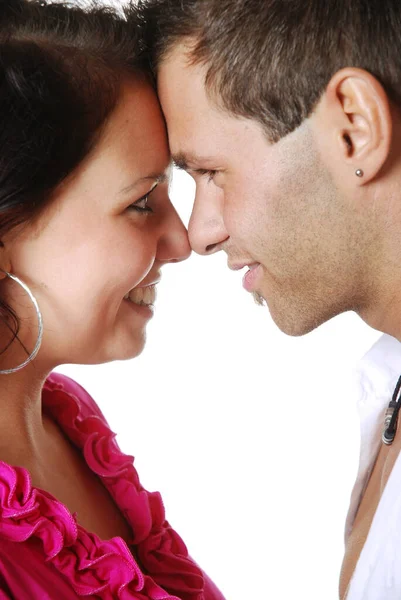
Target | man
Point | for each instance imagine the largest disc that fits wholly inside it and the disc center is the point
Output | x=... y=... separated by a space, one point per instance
x=288 y=116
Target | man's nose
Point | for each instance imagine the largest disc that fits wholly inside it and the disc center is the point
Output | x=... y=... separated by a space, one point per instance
x=206 y=228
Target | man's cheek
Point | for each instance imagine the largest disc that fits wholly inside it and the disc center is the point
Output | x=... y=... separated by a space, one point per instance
x=233 y=216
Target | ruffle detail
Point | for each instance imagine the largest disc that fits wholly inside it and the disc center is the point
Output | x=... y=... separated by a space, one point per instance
x=92 y=566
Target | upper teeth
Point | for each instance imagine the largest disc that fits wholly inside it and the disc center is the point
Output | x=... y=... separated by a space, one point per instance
x=144 y=295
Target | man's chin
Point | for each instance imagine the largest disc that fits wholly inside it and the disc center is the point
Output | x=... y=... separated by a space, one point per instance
x=295 y=323
x=259 y=300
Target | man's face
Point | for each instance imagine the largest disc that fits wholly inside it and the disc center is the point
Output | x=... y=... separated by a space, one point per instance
x=270 y=205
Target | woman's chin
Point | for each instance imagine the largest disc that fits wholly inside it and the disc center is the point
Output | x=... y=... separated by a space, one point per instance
x=131 y=352
x=126 y=351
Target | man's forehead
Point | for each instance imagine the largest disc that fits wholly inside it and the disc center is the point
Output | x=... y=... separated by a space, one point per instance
x=178 y=78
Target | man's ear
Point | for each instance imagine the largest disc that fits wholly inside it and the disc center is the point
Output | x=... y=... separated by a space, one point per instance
x=5 y=263
x=356 y=111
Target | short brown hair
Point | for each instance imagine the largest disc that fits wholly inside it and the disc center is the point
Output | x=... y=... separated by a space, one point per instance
x=271 y=60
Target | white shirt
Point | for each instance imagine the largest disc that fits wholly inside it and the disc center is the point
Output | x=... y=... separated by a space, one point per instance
x=377 y=575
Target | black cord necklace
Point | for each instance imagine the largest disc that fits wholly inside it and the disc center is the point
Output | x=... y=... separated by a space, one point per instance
x=390 y=420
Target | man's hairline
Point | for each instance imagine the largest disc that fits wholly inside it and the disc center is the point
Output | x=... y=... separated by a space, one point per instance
x=211 y=91
x=188 y=43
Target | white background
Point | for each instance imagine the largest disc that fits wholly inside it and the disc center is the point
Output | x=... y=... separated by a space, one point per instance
x=250 y=435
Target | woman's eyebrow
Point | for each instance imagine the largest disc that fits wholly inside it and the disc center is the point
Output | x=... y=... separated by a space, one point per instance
x=155 y=177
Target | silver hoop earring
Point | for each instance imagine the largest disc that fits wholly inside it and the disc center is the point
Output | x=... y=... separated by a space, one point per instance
x=40 y=325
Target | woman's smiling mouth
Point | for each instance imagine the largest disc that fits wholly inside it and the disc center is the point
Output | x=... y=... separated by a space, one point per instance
x=142 y=296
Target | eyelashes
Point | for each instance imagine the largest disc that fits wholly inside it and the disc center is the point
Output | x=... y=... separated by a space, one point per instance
x=136 y=206
x=209 y=173
x=141 y=205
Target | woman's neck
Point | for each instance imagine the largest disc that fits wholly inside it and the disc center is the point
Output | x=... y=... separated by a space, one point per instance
x=22 y=427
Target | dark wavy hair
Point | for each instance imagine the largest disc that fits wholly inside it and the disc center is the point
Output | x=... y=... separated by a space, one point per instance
x=61 y=70
x=271 y=60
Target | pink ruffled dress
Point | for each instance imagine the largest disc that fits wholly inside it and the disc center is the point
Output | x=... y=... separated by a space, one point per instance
x=45 y=554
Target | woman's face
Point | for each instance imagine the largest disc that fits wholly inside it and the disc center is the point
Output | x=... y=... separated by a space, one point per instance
x=109 y=230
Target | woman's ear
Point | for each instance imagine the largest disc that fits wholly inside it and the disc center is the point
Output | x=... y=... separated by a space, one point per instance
x=5 y=263
x=356 y=109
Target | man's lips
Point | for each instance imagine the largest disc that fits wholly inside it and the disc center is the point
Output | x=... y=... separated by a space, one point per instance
x=250 y=278
x=239 y=266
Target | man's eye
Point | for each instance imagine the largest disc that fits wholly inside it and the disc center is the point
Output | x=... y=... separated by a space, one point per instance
x=209 y=173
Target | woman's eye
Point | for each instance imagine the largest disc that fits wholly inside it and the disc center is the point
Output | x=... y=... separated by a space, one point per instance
x=141 y=205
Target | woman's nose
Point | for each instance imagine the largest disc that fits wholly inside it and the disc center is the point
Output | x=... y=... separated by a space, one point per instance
x=174 y=244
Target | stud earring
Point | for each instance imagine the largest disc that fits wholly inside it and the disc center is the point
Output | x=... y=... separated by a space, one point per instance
x=359 y=173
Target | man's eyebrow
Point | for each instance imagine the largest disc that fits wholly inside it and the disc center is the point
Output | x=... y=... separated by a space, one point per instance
x=183 y=161
x=180 y=162
x=155 y=177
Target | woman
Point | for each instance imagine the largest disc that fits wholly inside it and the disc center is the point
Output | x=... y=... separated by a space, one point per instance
x=85 y=227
